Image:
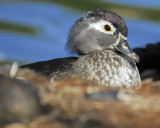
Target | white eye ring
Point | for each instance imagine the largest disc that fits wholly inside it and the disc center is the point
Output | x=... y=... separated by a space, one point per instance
x=100 y=26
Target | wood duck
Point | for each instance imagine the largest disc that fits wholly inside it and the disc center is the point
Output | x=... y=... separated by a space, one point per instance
x=99 y=38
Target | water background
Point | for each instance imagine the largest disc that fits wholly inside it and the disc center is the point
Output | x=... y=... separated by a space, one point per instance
x=138 y=3
x=52 y=23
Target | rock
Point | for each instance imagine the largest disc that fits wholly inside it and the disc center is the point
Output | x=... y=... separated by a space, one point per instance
x=75 y=103
x=107 y=95
x=19 y=101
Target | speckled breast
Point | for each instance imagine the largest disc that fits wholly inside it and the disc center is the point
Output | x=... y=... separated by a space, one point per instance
x=108 y=68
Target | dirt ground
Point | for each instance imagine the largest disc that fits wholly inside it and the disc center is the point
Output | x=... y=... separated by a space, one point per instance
x=75 y=103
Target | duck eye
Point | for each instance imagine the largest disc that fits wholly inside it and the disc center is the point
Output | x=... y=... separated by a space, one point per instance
x=107 y=28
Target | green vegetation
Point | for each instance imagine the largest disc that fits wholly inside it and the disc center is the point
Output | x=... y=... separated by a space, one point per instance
x=5 y=62
x=10 y=62
x=123 y=10
x=16 y=28
x=87 y=5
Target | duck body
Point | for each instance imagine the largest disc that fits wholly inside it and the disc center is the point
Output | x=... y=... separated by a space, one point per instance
x=107 y=68
x=104 y=67
x=59 y=68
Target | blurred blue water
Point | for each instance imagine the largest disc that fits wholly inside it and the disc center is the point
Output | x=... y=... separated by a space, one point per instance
x=52 y=23
x=138 y=3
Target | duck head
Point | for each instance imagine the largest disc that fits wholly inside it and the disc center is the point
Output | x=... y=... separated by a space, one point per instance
x=99 y=30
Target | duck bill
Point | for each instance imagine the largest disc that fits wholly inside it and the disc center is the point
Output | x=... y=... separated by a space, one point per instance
x=124 y=48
